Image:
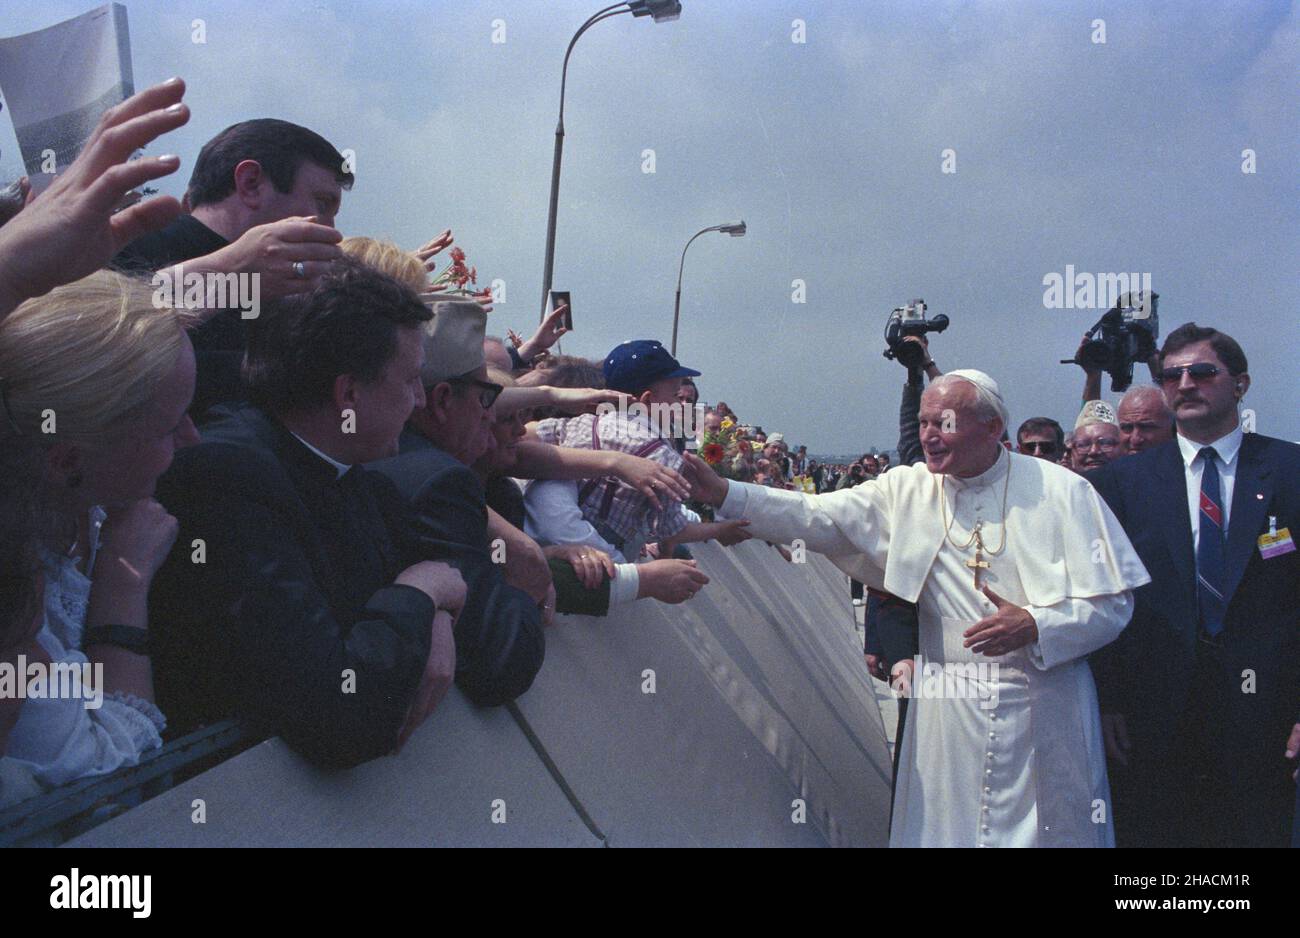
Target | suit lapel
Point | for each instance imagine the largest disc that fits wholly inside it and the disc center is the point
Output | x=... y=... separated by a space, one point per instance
x=1251 y=495
x=1178 y=529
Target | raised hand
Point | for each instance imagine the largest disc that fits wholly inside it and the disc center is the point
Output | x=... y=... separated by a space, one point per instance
x=273 y=249
x=427 y=252
x=71 y=229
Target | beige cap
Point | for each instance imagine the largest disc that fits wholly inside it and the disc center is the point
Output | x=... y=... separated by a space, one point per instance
x=1096 y=412
x=453 y=339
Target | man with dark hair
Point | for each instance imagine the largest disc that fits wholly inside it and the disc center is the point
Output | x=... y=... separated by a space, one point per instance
x=1200 y=694
x=297 y=596
x=262 y=201
x=1041 y=437
x=499 y=640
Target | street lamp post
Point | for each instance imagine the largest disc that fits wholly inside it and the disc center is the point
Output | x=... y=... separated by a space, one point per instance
x=661 y=11
x=736 y=230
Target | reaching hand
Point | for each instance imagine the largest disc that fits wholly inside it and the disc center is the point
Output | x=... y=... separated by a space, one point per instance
x=272 y=250
x=590 y=564
x=706 y=485
x=1004 y=631
x=547 y=334
x=655 y=481
x=427 y=252
x=732 y=532
x=670 y=581
x=578 y=400
x=71 y=230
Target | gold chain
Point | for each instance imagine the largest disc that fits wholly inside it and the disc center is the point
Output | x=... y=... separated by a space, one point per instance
x=947 y=522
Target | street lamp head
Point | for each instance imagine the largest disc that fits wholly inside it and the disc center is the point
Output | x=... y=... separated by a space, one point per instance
x=736 y=230
x=662 y=11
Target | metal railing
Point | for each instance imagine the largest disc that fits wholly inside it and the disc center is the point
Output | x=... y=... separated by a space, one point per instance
x=87 y=802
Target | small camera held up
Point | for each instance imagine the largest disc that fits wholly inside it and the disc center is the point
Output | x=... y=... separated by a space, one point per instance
x=910 y=320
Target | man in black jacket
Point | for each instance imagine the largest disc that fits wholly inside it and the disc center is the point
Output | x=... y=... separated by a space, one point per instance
x=499 y=631
x=1199 y=695
x=262 y=201
x=297 y=596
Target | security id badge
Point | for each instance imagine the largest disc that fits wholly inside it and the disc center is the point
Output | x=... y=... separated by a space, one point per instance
x=1276 y=542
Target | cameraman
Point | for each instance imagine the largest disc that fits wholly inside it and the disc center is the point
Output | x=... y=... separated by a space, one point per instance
x=890 y=637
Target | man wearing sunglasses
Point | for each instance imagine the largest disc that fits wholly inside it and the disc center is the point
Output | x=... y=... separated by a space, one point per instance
x=1041 y=437
x=1200 y=694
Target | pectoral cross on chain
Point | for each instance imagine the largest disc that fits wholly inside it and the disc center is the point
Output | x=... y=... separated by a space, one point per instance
x=978 y=563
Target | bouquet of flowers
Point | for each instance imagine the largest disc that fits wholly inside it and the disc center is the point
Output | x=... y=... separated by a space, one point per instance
x=720 y=448
x=452 y=280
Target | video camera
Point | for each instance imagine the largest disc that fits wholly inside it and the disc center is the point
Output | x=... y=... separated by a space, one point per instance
x=1126 y=334
x=910 y=320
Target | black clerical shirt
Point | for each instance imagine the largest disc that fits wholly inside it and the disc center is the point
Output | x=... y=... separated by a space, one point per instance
x=219 y=343
x=277 y=603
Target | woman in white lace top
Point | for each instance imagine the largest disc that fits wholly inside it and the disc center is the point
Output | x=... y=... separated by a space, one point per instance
x=100 y=379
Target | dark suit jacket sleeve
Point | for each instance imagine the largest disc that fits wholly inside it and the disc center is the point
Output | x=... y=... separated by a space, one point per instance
x=1110 y=663
x=249 y=631
x=571 y=597
x=909 y=426
x=499 y=638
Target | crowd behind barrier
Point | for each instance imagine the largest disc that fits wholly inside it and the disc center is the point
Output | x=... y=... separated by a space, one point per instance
x=318 y=518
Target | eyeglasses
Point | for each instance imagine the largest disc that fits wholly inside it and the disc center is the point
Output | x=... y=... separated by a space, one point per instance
x=1040 y=447
x=1201 y=371
x=1104 y=445
x=488 y=392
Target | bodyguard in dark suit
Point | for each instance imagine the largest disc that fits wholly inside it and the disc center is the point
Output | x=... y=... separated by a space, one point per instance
x=297 y=596
x=1200 y=695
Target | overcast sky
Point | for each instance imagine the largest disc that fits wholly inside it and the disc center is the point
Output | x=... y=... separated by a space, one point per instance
x=1117 y=156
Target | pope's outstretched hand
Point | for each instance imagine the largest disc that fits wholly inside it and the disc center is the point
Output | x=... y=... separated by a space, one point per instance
x=706 y=485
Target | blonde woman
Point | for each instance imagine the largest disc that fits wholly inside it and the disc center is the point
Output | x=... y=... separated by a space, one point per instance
x=100 y=381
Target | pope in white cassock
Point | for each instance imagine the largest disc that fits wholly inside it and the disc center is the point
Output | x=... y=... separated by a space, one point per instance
x=1019 y=571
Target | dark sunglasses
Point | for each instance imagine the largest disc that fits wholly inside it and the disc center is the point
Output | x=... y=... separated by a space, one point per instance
x=1201 y=371
x=1046 y=447
x=488 y=392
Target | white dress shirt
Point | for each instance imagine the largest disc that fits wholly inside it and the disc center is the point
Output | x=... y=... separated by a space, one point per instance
x=339 y=467
x=1227 y=448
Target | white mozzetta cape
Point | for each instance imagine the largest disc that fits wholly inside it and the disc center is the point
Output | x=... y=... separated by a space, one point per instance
x=887 y=532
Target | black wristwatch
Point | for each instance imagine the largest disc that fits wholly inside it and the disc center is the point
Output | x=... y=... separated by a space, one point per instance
x=130 y=637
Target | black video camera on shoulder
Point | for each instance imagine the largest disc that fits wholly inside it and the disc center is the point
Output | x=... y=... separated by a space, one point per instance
x=910 y=320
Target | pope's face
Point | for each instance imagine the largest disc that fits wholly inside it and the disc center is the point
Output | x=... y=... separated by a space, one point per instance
x=955 y=440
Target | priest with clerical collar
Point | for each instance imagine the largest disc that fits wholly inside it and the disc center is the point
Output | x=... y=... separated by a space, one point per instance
x=1019 y=571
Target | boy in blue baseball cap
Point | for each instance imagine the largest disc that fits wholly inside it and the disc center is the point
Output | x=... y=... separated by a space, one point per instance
x=606 y=513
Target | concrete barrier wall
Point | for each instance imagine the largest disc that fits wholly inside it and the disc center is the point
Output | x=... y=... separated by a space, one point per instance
x=720 y=722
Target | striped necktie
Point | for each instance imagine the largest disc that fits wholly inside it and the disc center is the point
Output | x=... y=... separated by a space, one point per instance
x=1210 y=565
